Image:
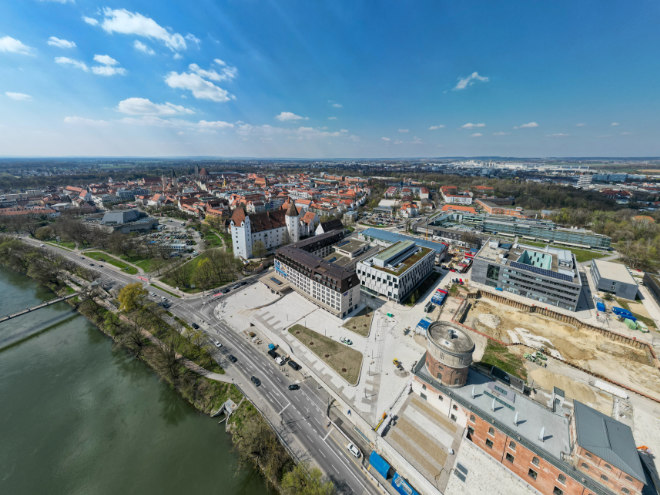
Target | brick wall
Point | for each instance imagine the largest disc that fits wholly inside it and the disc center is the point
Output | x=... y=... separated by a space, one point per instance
x=606 y=474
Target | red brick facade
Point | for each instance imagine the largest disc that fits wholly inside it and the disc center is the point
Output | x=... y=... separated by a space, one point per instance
x=606 y=474
x=451 y=377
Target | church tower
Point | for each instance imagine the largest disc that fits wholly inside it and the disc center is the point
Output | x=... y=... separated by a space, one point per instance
x=292 y=219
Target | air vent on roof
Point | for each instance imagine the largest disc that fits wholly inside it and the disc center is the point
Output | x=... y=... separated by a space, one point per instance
x=515 y=419
x=542 y=434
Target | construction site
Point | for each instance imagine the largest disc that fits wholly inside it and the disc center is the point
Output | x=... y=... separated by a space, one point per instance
x=618 y=359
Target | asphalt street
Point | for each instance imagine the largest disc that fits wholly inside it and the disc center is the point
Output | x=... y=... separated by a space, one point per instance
x=302 y=413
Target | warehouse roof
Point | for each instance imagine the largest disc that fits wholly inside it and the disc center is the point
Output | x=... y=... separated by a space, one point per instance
x=614 y=271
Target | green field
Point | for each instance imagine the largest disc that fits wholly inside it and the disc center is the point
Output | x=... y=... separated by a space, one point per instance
x=160 y=287
x=499 y=355
x=212 y=240
x=68 y=245
x=340 y=357
x=106 y=258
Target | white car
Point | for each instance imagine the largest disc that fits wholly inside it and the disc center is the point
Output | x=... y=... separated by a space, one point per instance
x=354 y=450
x=217 y=344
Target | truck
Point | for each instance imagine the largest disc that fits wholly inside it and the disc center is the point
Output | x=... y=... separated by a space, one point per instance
x=439 y=297
x=281 y=360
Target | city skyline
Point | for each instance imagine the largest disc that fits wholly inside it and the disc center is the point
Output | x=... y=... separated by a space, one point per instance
x=328 y=80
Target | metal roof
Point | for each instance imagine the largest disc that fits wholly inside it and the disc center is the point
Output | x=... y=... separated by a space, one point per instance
x=387 y=236
x=607 y=438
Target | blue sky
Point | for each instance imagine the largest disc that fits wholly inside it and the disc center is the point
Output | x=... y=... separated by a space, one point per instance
x=300 y=78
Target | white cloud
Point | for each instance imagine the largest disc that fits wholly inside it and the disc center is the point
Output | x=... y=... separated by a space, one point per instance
x=58 y=1
x=90 y=20
x=476 y=134
x=501 y=133
x=75 y=120
x=141 y=47
x=60 y=43
x=18 y=96
x=72 y=62
x=105 y=60
x=615 y=124
x=558 y=134
x=416 y=140
x=144 y=106
x=404 y=131
x=528 y=125
x=469 y=81
x=133 y=23
x=332 y=118
x=580 y=124
x=12 y=45
x=108 y=70
x=200 y=88
x=216 y=124
x=337 y=105
x=289 y=117
x=386 y=139
x=625 y=133
x=470 y=125
x=226 y=74
x=436 y=127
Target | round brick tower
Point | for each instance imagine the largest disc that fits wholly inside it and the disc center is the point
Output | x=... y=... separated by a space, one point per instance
x=449 y=353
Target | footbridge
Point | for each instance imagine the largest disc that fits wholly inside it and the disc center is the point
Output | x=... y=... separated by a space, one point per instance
x=37 y=307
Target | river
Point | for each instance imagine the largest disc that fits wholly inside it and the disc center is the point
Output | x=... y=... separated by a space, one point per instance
x=80 y=416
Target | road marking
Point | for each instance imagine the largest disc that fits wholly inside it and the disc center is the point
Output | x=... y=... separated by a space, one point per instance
x=327 y=435
x=283 y=409
x=349 y=468
x=333 y=467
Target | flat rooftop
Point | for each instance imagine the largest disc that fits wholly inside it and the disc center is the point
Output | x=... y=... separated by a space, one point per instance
x=392 y=237
x=614 y=271
x=551 y=261
x=482 y=392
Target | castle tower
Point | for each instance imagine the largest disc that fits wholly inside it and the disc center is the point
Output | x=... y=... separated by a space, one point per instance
x=448 y=353
x=292 y=219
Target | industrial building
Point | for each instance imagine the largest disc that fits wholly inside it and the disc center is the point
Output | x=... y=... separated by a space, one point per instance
x=533 y=229
x=557 y=450
x=396 y=271
x=127 y=221
x=330 y=286
x=548 y=275
x=614 y=278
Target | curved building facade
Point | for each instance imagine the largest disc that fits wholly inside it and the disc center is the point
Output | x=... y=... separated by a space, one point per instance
x=448 y=353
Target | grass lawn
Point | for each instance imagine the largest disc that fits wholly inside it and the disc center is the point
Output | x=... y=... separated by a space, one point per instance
x=100 y=256
x=147 y=264
x=160 y=287
x=499 y=355
x=212 y=240
x=68 y=245
x=340 y=357
x=360 y=323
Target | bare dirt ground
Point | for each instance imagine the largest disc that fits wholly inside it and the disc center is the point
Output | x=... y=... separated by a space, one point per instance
x=574 y=389
x=590 y=350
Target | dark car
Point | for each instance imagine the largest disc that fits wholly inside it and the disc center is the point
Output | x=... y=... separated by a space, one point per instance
x=294 y=365
x=255 y=380
x=195 y=326
x=294 y=386
x=273 y=354
x=232 y=358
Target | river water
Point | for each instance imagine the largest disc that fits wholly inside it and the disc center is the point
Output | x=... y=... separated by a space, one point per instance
x=79 y=416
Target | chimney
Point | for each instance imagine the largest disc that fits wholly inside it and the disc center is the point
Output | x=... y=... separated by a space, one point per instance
x=542 y=434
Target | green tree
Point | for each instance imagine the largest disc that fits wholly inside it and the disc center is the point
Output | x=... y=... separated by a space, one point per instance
x=259 y=249
x=131 y=297
x=305 y=481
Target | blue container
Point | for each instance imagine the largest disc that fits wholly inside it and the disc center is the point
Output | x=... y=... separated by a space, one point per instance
x=601 y=307
x=402 y=486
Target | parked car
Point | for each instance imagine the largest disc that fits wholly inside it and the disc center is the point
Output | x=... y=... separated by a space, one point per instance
x=232 y=358
x=294 y=386
x=195 y=326
x=294 y=365
x=217 y=344
x=255 y=380
x=272 y=353
x=354 y=450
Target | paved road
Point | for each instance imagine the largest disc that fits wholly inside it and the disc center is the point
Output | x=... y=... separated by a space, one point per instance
x=302 y=412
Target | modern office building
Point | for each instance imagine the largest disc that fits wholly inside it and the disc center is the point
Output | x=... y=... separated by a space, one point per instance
x=557 y=450
x=533 y=229
x=385 y=238
x=127 y=221
x=614 y=278
x=396 y=271
x=547 y=275
x=330 y=286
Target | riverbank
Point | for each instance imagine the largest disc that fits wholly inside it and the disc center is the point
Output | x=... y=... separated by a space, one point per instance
x=254 y=440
